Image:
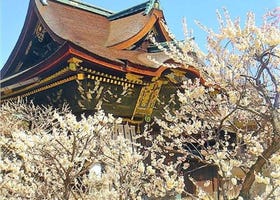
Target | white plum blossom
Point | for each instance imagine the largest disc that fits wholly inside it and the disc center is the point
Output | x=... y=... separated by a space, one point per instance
x=60 y=157
x=229 y=117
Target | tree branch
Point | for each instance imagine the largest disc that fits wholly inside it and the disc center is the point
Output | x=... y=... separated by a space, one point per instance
x=257 y=167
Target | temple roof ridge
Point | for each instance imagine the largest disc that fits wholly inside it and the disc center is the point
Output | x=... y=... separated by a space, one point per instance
x=86 y=6
x=151 y=4
x=57 y=24
x=146 y=7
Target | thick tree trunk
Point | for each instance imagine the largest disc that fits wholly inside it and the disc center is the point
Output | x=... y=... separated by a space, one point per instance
x=66 y=193
x=250 y=177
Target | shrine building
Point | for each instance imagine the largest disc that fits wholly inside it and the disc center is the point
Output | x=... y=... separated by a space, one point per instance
x=91 y=58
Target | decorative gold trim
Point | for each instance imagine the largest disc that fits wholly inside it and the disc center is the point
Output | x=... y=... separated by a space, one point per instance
x=108 y=80
x=176 y=75
x=134 y=78
x=80 y=76
x=130 y=78
x=178 y=72
x=8 y=91
x=60 y=82
x=147 y=98
x=57 y=74
x=40 y=32
x=74 y=63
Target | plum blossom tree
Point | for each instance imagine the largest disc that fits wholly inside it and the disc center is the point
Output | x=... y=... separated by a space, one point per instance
x=229 y=119
x=48 y=154
x=230 y=116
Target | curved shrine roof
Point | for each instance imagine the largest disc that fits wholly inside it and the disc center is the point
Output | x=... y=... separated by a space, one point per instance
x=61 y=34
x=124 y=28
x=116 y=38
x=94 y=32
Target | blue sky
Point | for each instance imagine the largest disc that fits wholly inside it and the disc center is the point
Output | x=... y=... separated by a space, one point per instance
x=13 y=12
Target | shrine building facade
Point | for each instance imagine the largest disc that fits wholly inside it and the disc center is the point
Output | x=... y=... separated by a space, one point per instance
x=91 y=58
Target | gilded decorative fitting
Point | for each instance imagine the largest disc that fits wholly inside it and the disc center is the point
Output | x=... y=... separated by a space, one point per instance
x=156 y=5
x=80 y=76
x=40 y=32
x=74 y=63
x=8 y=91
x=134 y=77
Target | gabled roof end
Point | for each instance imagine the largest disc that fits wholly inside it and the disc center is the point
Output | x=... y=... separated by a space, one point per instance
x=145 y=7
x=150 y=5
